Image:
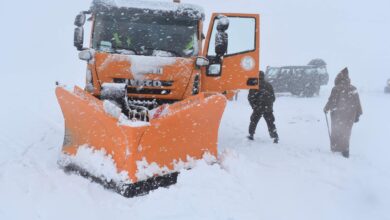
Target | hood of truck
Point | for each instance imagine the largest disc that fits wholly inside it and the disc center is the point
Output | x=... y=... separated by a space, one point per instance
x=146 y=76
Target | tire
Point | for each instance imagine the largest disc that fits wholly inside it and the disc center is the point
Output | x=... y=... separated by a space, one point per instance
x=309 y=91
x=387 y=89
x=297 y=92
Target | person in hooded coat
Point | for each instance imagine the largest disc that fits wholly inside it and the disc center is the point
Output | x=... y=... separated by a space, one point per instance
x=262 y=101
x=345 y=110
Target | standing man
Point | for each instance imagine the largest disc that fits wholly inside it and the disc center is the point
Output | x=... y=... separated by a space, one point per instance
x=262 y=101
x=345 y=110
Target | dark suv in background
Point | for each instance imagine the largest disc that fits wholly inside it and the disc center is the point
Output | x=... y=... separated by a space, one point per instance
x=303 y=81
x=387 y=88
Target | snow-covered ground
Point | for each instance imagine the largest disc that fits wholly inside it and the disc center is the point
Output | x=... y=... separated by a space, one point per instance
x=296 y=179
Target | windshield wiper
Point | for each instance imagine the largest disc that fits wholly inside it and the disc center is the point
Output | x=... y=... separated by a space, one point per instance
x=125 y=51
x=165 y=53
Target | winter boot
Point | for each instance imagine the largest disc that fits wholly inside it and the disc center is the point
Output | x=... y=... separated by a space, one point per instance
x=345 y=154
x=250 y=137
x=274 y=135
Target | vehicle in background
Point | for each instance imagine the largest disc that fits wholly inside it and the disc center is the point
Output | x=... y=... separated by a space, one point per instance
x=303 y=81
x=387 y=88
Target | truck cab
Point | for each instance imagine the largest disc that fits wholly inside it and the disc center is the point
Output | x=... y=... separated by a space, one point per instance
x=154 y=50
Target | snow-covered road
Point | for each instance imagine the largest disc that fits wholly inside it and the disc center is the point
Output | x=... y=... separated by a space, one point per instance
x=296 y=179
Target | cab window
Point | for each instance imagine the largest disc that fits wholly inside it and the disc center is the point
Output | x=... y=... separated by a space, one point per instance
x=241 y=34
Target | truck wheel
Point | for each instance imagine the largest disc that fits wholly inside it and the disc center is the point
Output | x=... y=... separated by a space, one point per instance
x=296 y=92
x=309 y=92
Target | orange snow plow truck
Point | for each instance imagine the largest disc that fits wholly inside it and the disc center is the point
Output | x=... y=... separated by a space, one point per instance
x=154 y=96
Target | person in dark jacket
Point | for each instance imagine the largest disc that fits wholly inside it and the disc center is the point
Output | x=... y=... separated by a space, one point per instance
x=262 y=101
x=345 y=110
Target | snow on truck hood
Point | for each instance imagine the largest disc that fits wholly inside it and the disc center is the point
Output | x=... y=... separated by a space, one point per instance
x=140 y=65
x=180 y=8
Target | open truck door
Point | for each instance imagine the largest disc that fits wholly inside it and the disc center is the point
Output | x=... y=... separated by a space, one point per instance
x=232 y=47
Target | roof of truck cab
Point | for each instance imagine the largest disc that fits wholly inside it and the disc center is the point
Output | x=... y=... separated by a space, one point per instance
x=180 y=9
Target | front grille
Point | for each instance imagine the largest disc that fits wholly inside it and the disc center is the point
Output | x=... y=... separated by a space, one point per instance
x=149 y=91
x=137 y=101
x=163 y=83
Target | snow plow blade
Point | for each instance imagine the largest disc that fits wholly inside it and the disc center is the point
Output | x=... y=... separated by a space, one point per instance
x=142 y=154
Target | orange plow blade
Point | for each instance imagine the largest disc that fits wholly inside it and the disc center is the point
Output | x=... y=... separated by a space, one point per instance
x=138 y=151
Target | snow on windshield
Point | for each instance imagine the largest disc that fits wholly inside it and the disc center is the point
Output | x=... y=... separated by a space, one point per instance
x=145 y=35
x=160 y=6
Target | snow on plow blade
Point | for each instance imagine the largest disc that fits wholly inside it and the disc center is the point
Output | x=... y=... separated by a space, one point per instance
x=135 y=158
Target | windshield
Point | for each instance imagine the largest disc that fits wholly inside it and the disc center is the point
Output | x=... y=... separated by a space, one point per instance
x=322 y=70
x=311 y=71
x=273 y=72
x=145 y=35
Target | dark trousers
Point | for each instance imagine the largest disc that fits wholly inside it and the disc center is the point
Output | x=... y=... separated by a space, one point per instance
x=269 y=118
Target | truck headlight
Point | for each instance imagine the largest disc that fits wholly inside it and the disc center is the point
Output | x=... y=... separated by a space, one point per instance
x=215 y=69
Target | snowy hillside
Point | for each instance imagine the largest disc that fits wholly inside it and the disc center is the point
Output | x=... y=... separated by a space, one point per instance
x=297 y=179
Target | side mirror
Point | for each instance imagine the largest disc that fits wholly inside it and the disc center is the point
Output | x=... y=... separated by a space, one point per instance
x=223 y=23
x=222 y=38
x=80 y=19
x=86 y=55
x=202 y=61
x=221 y=44
x=78 y=40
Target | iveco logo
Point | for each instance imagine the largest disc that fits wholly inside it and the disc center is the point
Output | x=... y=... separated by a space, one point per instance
x=148 y=83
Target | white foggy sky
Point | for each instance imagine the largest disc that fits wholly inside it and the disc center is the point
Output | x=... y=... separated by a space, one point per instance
x=343 y=32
